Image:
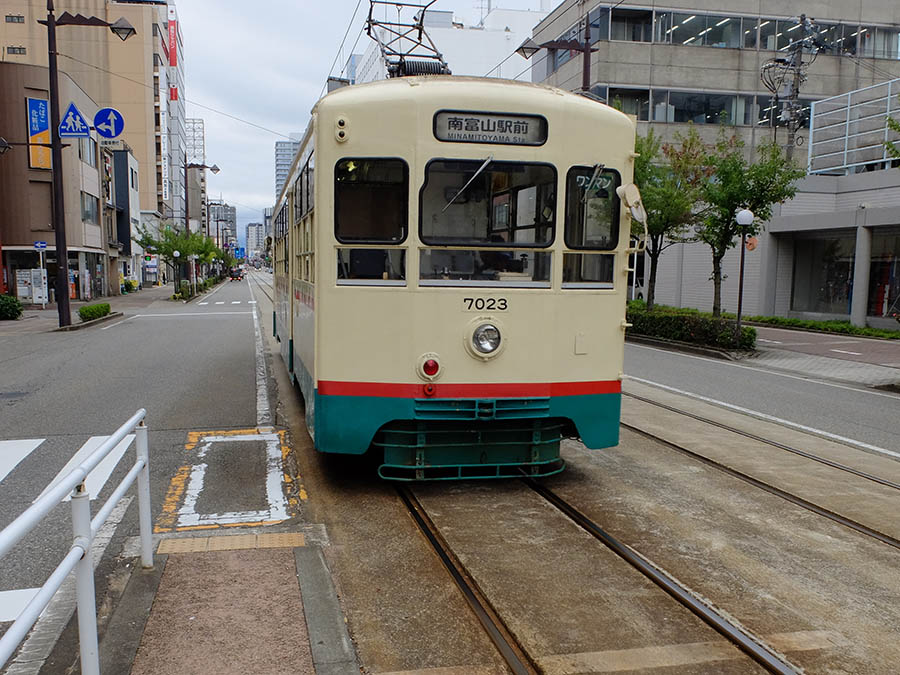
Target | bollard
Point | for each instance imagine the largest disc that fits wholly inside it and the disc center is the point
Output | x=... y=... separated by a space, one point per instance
x=84 y=582
x=142 y=449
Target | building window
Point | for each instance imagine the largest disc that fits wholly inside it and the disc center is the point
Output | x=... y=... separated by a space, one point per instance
x=631 y=102
x=90 y=210
x=15 y=18
x=884 y=275
x=773 y=115
x=632 y=25
x=15 y=50
x=599 y=19
x=823 y=275
x=134 y=181
x=702 y=108
x=87 y=151
x=879 y=43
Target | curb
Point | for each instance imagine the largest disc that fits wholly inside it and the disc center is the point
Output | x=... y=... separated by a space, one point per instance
x=798 y=329
x=675 y=345
x=85 y=324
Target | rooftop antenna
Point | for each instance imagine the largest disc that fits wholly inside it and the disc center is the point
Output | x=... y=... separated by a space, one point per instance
x=406 y=47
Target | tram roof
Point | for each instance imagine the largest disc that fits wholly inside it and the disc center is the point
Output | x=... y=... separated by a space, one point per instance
x=513 y=93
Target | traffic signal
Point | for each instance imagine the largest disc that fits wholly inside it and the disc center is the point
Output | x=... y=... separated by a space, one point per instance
x=148 y=258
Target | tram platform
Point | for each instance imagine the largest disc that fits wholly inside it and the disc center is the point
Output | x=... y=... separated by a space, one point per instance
x=235 y=603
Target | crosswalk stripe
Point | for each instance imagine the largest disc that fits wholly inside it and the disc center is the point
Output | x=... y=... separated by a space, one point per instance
x=13 y=452
x=97 y=478
x=202 y=303
x=13 y=602
x=235 y=302
x=252 y=302
x=220 y=302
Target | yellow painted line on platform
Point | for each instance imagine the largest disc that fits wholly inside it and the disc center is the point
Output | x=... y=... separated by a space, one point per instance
x=673 y=656
x=239 y=542
x=174 y=495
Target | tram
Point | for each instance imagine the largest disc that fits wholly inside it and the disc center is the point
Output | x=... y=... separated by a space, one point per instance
x=450 y=274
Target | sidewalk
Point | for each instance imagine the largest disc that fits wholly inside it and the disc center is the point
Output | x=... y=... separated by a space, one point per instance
x=37 y=320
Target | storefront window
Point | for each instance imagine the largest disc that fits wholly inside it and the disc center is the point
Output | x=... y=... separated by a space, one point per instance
x=823 y=275
x=884 y=275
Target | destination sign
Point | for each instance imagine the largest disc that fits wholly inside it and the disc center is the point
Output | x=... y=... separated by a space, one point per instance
x=460 y=126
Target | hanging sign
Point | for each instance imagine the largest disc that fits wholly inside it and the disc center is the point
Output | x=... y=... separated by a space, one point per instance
x=38 y=132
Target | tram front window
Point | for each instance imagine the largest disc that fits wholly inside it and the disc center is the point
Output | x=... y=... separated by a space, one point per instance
x=483 y=202
x=370 y=200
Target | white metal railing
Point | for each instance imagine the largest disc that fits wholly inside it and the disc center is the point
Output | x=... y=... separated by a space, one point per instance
x=840 y=139
x=84 y=530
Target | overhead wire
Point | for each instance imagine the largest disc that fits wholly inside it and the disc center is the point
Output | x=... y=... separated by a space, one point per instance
x=341 y=48
x=187 y=100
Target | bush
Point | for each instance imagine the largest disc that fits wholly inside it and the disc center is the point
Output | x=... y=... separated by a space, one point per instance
x=185 y=289
x=130 y=286
x=91 y=312
x=690 y=326
x=10 y=307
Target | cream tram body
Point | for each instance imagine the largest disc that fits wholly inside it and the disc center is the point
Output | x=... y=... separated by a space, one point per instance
x=450 y=268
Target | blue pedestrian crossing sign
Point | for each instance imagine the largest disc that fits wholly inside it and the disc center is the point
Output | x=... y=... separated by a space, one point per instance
x=109 y=122
x=73 y=124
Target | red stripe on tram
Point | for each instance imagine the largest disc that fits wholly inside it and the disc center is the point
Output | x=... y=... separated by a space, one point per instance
x=496 y=390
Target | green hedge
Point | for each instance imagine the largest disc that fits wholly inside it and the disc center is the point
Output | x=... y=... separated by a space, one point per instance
x=130 y=286
x=186 y=289
x=91 y=312
x=690 y=326
x=10 y=307
x=833 y=326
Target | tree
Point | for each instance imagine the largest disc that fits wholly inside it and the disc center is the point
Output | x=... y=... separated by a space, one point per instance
x=734 y=183
x=894 y=126
x=186 y=243
x=668 y=199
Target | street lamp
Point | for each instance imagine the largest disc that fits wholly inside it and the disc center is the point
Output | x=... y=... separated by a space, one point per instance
x=123 y=30
x=529 y=48
x=744 y=219
x=192 y=165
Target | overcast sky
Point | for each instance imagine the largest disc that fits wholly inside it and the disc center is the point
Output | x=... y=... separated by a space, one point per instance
x=265 y=62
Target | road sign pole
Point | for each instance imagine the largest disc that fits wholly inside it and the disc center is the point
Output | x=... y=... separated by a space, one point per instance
x=43 y=296
x=58 y=214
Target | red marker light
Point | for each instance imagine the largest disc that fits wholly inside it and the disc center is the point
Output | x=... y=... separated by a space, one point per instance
x=430 y=367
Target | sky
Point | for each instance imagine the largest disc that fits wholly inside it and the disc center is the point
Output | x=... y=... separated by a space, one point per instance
x=265 y=63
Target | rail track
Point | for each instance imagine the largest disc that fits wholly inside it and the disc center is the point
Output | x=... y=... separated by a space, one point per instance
x=513 y=653
x=767 y=487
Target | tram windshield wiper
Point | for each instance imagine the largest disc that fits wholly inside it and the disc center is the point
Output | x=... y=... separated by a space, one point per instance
x=474 y=176
x=591 y=183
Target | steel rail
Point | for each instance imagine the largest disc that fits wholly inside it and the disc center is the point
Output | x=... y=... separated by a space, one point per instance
x=513 y=653
x=776 y=444
x=778 y=492
x=261 y=287
x=743 y=640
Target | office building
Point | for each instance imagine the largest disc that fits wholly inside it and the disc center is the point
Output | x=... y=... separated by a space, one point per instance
x=284 y=157
x=222 y=223
x=256 y=240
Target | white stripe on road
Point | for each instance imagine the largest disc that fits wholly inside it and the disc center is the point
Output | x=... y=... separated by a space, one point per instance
x=770 y=418
x=202 y=303
x=841 y=351
x=263 y=416
x=43 y=637
x=97 y=478
x=119 y=323
x=153 y=316
x=771 y=342
x=766 y=371
x=235 y=302
x=220 y=302
x=13 y=452
x=13 y=602
x=252 y=302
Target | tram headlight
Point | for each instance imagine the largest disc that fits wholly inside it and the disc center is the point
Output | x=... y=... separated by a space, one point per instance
x=486 y=338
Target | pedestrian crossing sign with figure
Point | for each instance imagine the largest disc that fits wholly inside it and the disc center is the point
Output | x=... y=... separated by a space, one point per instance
x=73 y=124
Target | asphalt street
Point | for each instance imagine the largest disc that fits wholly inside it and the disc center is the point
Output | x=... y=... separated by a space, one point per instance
x=193 y=367
x=858 y=413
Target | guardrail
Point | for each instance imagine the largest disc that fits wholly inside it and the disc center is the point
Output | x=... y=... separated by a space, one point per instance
x=84 y=530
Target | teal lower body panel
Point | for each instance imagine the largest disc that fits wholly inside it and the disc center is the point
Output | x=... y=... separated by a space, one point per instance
x=464 y=437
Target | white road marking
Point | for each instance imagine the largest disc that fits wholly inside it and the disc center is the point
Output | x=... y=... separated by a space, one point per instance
x=841 y=351
x=263 y=415
x=770 y=418
x=773 y=342
x=43 y=637
x=278 y=508
x=235 y=302
x=13 y=452
x=119 y=323
x=220 y=302
x=203 y=303
x=152 y=316
x=97 y=478
x=13 y=602
x=765 y=371
x=252 y=302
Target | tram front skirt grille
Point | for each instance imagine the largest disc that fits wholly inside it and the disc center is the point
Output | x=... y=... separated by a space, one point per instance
x=454 y=450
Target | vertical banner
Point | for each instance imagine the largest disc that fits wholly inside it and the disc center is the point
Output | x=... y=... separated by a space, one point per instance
x=173 y=37
x=38 y=132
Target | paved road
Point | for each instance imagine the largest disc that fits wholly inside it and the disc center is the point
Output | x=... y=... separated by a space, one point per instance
x=836 y=346
x=861 y=414
x=196 y=369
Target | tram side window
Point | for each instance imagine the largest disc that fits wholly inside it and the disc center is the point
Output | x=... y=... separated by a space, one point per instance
x=371 y=200
x=592 y=208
